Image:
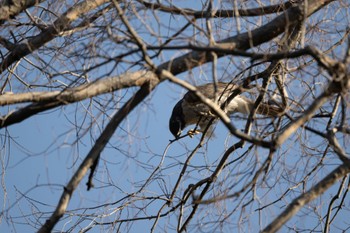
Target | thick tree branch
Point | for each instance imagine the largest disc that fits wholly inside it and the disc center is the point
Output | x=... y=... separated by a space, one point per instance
x=84 y=91
x=219 y=13
x=63 y=22
x=49 y=100
x=241 y=42
x=340 y=83
x=94 y=153
x=216 y=109
x=305 y=198
x=114 y=36
x=9 y=9
x=246 y=40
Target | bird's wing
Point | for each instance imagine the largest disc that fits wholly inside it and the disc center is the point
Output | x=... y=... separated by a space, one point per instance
x=221 y=93
x=243 y=104
x=210 y=90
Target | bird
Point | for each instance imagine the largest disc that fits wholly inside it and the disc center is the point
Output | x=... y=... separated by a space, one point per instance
x=190 y=110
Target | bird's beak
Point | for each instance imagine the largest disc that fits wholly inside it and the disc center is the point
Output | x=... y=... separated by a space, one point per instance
x=177 y=136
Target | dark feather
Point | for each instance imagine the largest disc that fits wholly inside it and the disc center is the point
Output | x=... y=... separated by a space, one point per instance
x=190 y=110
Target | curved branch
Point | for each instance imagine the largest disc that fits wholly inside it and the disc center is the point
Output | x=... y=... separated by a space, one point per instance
x=181 y=64
x=28 y=46
x=216 y=109
x=245 y=40
x=219 y=13
x=84 y=91
x=47 y=100
x=94 y=153
x=305 y=198
x=339 y=83
x=9 y=9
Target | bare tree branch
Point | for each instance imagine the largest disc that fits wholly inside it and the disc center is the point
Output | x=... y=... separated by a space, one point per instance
x=246 y=40
x=49 y=100
x=63 y=22
x=219 y=13
x=340 y=83
x=9 y=9
x=86 y=57
x=305 y=198
x=176 y=66
x=94 y=153
x=84 y=91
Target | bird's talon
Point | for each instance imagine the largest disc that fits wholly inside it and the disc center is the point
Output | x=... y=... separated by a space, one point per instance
x=192 y=132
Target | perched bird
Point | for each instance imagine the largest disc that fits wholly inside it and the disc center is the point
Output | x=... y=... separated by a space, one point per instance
x=190 y=110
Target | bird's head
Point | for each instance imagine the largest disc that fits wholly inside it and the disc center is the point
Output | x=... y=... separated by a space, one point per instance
x=177 y=121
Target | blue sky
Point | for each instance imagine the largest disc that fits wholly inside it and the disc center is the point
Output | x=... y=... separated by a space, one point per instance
x=45 y=150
